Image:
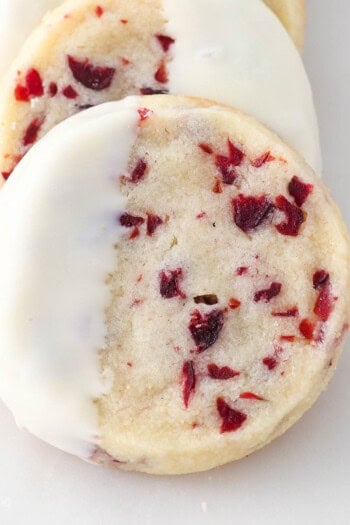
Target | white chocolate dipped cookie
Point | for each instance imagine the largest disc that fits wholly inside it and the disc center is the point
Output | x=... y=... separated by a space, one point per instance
x=83 y=54
x=174 y=285
x=19 y=17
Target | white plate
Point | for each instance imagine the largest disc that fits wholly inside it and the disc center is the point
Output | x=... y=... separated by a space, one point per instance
x=302 y=478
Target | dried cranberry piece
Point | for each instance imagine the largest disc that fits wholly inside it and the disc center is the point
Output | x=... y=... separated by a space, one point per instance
x=288 y=338
x=206 y=148
x=299 y=190
x=320 y=279
x=231 y=419
x=249 y=212
x=260 y=161
x=251 y=395
x=99 y=11
x=31 y=133
x=234 y=303
x=161 y=75
x=205 y=329
x=307 y=329
x=226 y=165
x=165 y=42
x=222 y=373
x=144 y=113
x=52 y=89
x=270 y=362
x=208 y=299
x=92 y=77
x=294 y=217
x=169 y=284
x=152 y=91
x=217 y=188
x=189 y=381
x=153 y=221
x=34 y=83
x=139 y=171
x=21 y=93
x=291 y=312
x=242 y=270
x=268 y=294
x=324 y=303
x=69 y=92
x=129 y=221
x=6 y=174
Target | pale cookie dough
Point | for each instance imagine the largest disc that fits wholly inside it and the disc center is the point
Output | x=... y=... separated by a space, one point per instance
x=174 y=286
x=84 y=53
x=292 y=14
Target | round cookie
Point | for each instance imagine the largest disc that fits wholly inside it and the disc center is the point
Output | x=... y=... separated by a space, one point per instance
x=85 y=53
x=174 y=285
x=292 y=14
x=19 y=17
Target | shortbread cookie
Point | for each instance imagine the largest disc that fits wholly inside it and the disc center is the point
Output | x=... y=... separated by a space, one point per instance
x=292 y=14
x=19 y=17
x=174 y=286
x=85 y=53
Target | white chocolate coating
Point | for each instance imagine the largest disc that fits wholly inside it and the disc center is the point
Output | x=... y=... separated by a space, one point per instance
x=239 y=54
x=233 y=51
x=59 y=214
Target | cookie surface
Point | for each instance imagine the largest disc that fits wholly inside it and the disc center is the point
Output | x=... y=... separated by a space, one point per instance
x=196 y=256
x=292 y=14
x=84 y=54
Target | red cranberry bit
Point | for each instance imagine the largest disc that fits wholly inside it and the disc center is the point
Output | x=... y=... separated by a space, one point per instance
x=144 y=113
x=124 y=21
x=6 y=174
x=249 y=212
x=129 y=221
x=217 y=188
x=234 y=303
x=92 y=77
x=288 y=338
x=227 y=165
x=231 y=419
x=135 y=233
x=260 y=161
x=152 y=91
x=34 y=83
x=307 y=329
x=242 y=270
x=270 y=362
x=189 y=381
x=201 y=215
x=161 y=75
x=299 y=190
x=99 y=11
x=205 y=329
x=31 y=133
x=324 y=304
x=165 y=42
x=169 y=284
x=69 y=92
x=222 y=373
x=251 y=395
x=52 y=89
x=294 y=217
x=320 y=279
x=291 y=312
x=268 y=294
x=208 y=299
x=139 y=171
x=206 y=148
x=153 y=221
x=21 y=93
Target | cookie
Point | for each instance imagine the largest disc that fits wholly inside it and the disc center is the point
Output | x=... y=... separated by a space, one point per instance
x=18 y=18
x=174 y=285
x=85 y=54
x=292 y=14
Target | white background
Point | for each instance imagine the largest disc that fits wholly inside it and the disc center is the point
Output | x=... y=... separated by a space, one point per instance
x=302 y=478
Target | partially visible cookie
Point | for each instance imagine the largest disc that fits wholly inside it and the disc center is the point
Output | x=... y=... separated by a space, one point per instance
x=292 y=14
x=174 y=285
x=85 y=53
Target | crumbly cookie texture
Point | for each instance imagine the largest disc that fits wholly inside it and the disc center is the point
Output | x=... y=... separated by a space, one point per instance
x=85 y=53
x=230 y=302
x=292 y=14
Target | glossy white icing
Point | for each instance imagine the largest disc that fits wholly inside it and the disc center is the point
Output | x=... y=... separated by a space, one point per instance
x=58 y=227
